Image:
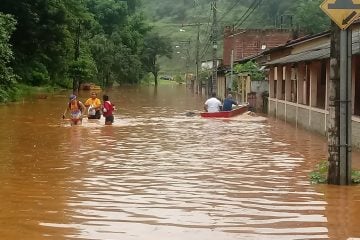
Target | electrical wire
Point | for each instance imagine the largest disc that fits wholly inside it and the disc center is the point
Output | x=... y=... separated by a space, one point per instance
x=208 y=42
x=255 y=4
x=206 y=47
x=229 y=10
x=208 y=39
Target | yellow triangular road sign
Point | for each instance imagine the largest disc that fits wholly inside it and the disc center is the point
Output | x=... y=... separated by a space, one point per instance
x=342 y=12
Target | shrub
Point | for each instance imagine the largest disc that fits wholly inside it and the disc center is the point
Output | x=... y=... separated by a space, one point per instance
x=319 y=175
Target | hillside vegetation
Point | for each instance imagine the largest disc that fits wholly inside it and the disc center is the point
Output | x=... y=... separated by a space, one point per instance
x=168 y=17
x=63 y=43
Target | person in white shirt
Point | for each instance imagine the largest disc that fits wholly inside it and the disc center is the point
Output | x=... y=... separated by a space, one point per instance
x=212 y=104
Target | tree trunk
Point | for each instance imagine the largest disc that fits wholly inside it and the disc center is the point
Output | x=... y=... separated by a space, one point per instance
x=155 y=71
x=334 y=108
x=76 y=86
x=156 y=79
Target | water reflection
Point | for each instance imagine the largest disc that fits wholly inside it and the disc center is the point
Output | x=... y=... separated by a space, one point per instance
x=157 y=174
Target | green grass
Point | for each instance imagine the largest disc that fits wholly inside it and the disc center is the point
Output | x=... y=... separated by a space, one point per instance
x=167 y=82
x=21 y=90
x=149 y=80
x=319 y=175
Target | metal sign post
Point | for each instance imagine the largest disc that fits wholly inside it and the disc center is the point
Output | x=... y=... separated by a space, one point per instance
x=344 y=13
x=345 y=106
x=349 y=107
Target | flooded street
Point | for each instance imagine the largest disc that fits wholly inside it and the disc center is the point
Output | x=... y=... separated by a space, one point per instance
x=157 y=174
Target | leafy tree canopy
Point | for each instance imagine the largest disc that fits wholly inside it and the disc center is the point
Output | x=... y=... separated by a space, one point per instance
x=155 y=46
x=7 y=78
x=252 y=69
x=83 y=40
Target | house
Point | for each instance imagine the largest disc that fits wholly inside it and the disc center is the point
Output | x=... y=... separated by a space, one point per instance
x=207 y=66
x=298 y=75
x=241 y=44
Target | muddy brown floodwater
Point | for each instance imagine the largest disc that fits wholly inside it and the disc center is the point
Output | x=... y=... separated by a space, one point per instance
x=157 y=174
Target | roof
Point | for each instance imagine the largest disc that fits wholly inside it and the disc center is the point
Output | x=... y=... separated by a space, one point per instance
x=316 y=53
x=306 y=38
x=319 y=52
x=288 y=44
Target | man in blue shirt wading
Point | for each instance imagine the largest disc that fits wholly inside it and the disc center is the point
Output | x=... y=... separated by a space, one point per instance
x=228 y=102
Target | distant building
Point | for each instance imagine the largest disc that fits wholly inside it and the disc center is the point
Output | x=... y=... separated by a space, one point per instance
x=249 y=42
x=208 y=64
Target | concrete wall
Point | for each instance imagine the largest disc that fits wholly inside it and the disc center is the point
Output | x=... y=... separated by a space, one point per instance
x=259 y=86
x=356 y=132
x=272 y=108
x=312 y=119
x=290 y=113
x=280 y=111
x=317 y=122
x=303 y=117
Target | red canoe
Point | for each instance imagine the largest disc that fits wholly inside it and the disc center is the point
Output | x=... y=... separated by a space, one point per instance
x=225 y=114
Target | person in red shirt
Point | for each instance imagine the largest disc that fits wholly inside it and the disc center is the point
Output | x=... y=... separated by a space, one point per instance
x=108 y=109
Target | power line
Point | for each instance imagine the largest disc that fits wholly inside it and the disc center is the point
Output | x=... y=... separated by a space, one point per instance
x=206 y=47
x=243 y=18
x=253 y=6
x=229 y=10
x=207 y=31
x=249 y=11
x=214 y=52
x=208 y=38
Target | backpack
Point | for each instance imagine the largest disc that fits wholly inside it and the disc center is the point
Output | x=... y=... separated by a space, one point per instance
x=78 y=105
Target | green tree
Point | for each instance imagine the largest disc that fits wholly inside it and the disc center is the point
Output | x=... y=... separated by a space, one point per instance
x=7 y=77
x=82 y=69
x=155 y=46
x=252 y=69
x=129 y=40
x=310 y=18
x=117 y=48
x=103 y=49
x=109 y=14
x=56 y=40
x=44 y=36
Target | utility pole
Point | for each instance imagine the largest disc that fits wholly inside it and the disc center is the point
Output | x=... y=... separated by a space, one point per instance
x=232 y=67
x=197 y=83
x=340 y=89
x=345 y=105
x=334 y=107
x=340 y=111
x=197 y=80
x=214 y=53
x=187 y=58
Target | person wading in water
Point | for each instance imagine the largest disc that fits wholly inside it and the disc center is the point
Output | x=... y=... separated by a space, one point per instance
x=93 y=104
x=76 y=109
x=108 y=109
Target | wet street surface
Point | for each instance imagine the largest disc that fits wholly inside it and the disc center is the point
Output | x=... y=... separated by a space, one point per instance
x=157 y=174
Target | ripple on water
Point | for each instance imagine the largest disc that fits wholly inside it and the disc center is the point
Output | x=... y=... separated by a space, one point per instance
x=156 y=174
x=180 y=177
